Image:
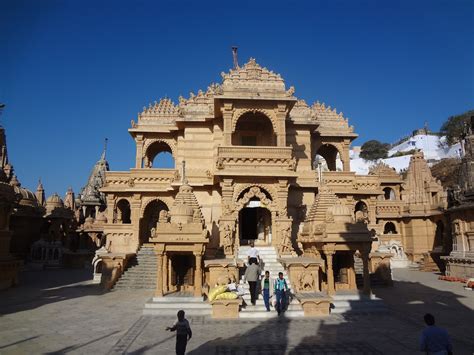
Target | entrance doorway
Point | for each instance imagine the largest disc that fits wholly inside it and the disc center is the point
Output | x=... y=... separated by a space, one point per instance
x=255 y=224
x=182 y=272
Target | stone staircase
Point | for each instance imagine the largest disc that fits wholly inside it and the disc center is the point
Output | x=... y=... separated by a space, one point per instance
x=270 y=263
x=141 y=271
x=169 y=305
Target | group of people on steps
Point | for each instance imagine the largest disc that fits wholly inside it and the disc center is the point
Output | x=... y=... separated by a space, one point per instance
x=252 y=276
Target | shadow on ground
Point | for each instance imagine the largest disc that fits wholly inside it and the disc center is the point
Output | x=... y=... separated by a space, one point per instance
x=38 y=288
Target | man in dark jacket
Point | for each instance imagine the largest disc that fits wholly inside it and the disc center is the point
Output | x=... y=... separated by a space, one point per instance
x=251 y=276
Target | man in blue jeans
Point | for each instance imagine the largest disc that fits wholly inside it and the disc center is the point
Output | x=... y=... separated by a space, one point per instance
x=280 y=292
x=266 y=287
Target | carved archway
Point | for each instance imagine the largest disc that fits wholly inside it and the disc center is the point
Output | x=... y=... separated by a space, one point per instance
x=242 y=111
x=145 y=203
x=255 y=192
x=169 y=142
x=267 y=188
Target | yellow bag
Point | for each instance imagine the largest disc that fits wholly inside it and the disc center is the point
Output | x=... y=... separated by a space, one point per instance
x=226 y=296
x=216 y=291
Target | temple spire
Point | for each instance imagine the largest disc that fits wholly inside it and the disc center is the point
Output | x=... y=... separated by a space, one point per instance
x=234 y=57
x=40 y=193
x=105 y=149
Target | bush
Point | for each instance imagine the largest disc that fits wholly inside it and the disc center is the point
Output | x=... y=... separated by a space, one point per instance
x=454 y=127
x=373 y=150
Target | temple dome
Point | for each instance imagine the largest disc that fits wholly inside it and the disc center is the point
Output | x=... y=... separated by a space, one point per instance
x=27 y=198
x=341 y=213
x=184 y=205
x=53 y=202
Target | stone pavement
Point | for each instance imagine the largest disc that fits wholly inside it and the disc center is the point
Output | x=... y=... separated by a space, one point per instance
x=59 y=312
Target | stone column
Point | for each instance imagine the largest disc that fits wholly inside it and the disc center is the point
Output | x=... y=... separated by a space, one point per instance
x=159 y=276
x=198 y=276
x=346 y=162
x=365 y=262
x=227 y=113
x=139 y=155
x=330 y=272
x=165 y=273
x=281 y=125
x=352 y=274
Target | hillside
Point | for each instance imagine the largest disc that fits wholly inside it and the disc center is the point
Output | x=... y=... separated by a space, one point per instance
x=434 y=148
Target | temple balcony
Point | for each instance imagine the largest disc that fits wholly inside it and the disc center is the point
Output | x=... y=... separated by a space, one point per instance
x=255 y=160
x=349 y=182
x=146 y=179
x=389 y=209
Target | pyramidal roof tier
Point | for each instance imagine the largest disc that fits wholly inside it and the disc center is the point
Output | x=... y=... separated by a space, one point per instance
x=252 y=80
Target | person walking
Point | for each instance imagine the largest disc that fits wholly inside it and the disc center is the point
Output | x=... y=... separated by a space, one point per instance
x=435 y=340
x=267 y=285
x=280 y=288
x=252 y=253
x=251 y=276
x=183 y=333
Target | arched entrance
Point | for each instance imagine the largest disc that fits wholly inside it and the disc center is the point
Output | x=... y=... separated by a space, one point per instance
x=255 y=224
x=255 y=216
x=150 y=218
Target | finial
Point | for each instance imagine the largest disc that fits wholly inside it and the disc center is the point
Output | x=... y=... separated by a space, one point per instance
x=234 y=57
x=105 y=148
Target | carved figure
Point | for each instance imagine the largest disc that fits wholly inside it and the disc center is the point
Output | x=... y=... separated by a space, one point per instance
x=228 y=240
x=306 y=282
x=163 y=216
x=285 y=244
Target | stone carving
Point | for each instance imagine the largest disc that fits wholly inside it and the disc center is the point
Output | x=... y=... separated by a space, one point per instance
x=163 y=216
x=285 y=246
x=228 y=240
x=306 y=282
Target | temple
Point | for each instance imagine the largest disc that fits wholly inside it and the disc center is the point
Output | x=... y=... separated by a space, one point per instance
x=252 y=162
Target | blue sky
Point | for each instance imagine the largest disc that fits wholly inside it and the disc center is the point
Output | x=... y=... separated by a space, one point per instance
x=75 y=72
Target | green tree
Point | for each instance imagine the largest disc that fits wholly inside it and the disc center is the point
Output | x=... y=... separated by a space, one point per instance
x=373 y=150
x=453 y=128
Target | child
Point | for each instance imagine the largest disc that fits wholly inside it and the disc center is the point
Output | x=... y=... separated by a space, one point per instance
x=267 y=285
x=183 y=333
x=280 y=292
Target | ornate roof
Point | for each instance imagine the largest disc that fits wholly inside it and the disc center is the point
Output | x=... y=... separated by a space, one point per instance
x=90 y=194
x=331 y=123
x=382 y=169
x=253 y=80
x=165 y=111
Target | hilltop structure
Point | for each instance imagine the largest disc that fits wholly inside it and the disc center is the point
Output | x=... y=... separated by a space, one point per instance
x=248 y=158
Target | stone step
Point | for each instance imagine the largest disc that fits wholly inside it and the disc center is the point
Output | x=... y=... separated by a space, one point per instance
x=251 y=314
x=177 y=299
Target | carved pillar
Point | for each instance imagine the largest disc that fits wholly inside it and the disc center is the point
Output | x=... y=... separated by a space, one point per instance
x=372 y=206
x=330 y=272
x=165 y=273
x=139 y=156
x=351 y=274
x=227 y=112
x=281 y=125
x=198 y=276
x=110 y=208
x=159 y=276
x=345 y=155
x=365 y=262
x=135 y=218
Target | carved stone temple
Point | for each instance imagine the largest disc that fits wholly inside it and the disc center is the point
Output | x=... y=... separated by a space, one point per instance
x=460 y=262
x=248 y=157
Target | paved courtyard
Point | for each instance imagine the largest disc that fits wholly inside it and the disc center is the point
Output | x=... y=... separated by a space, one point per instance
x=59 y=312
